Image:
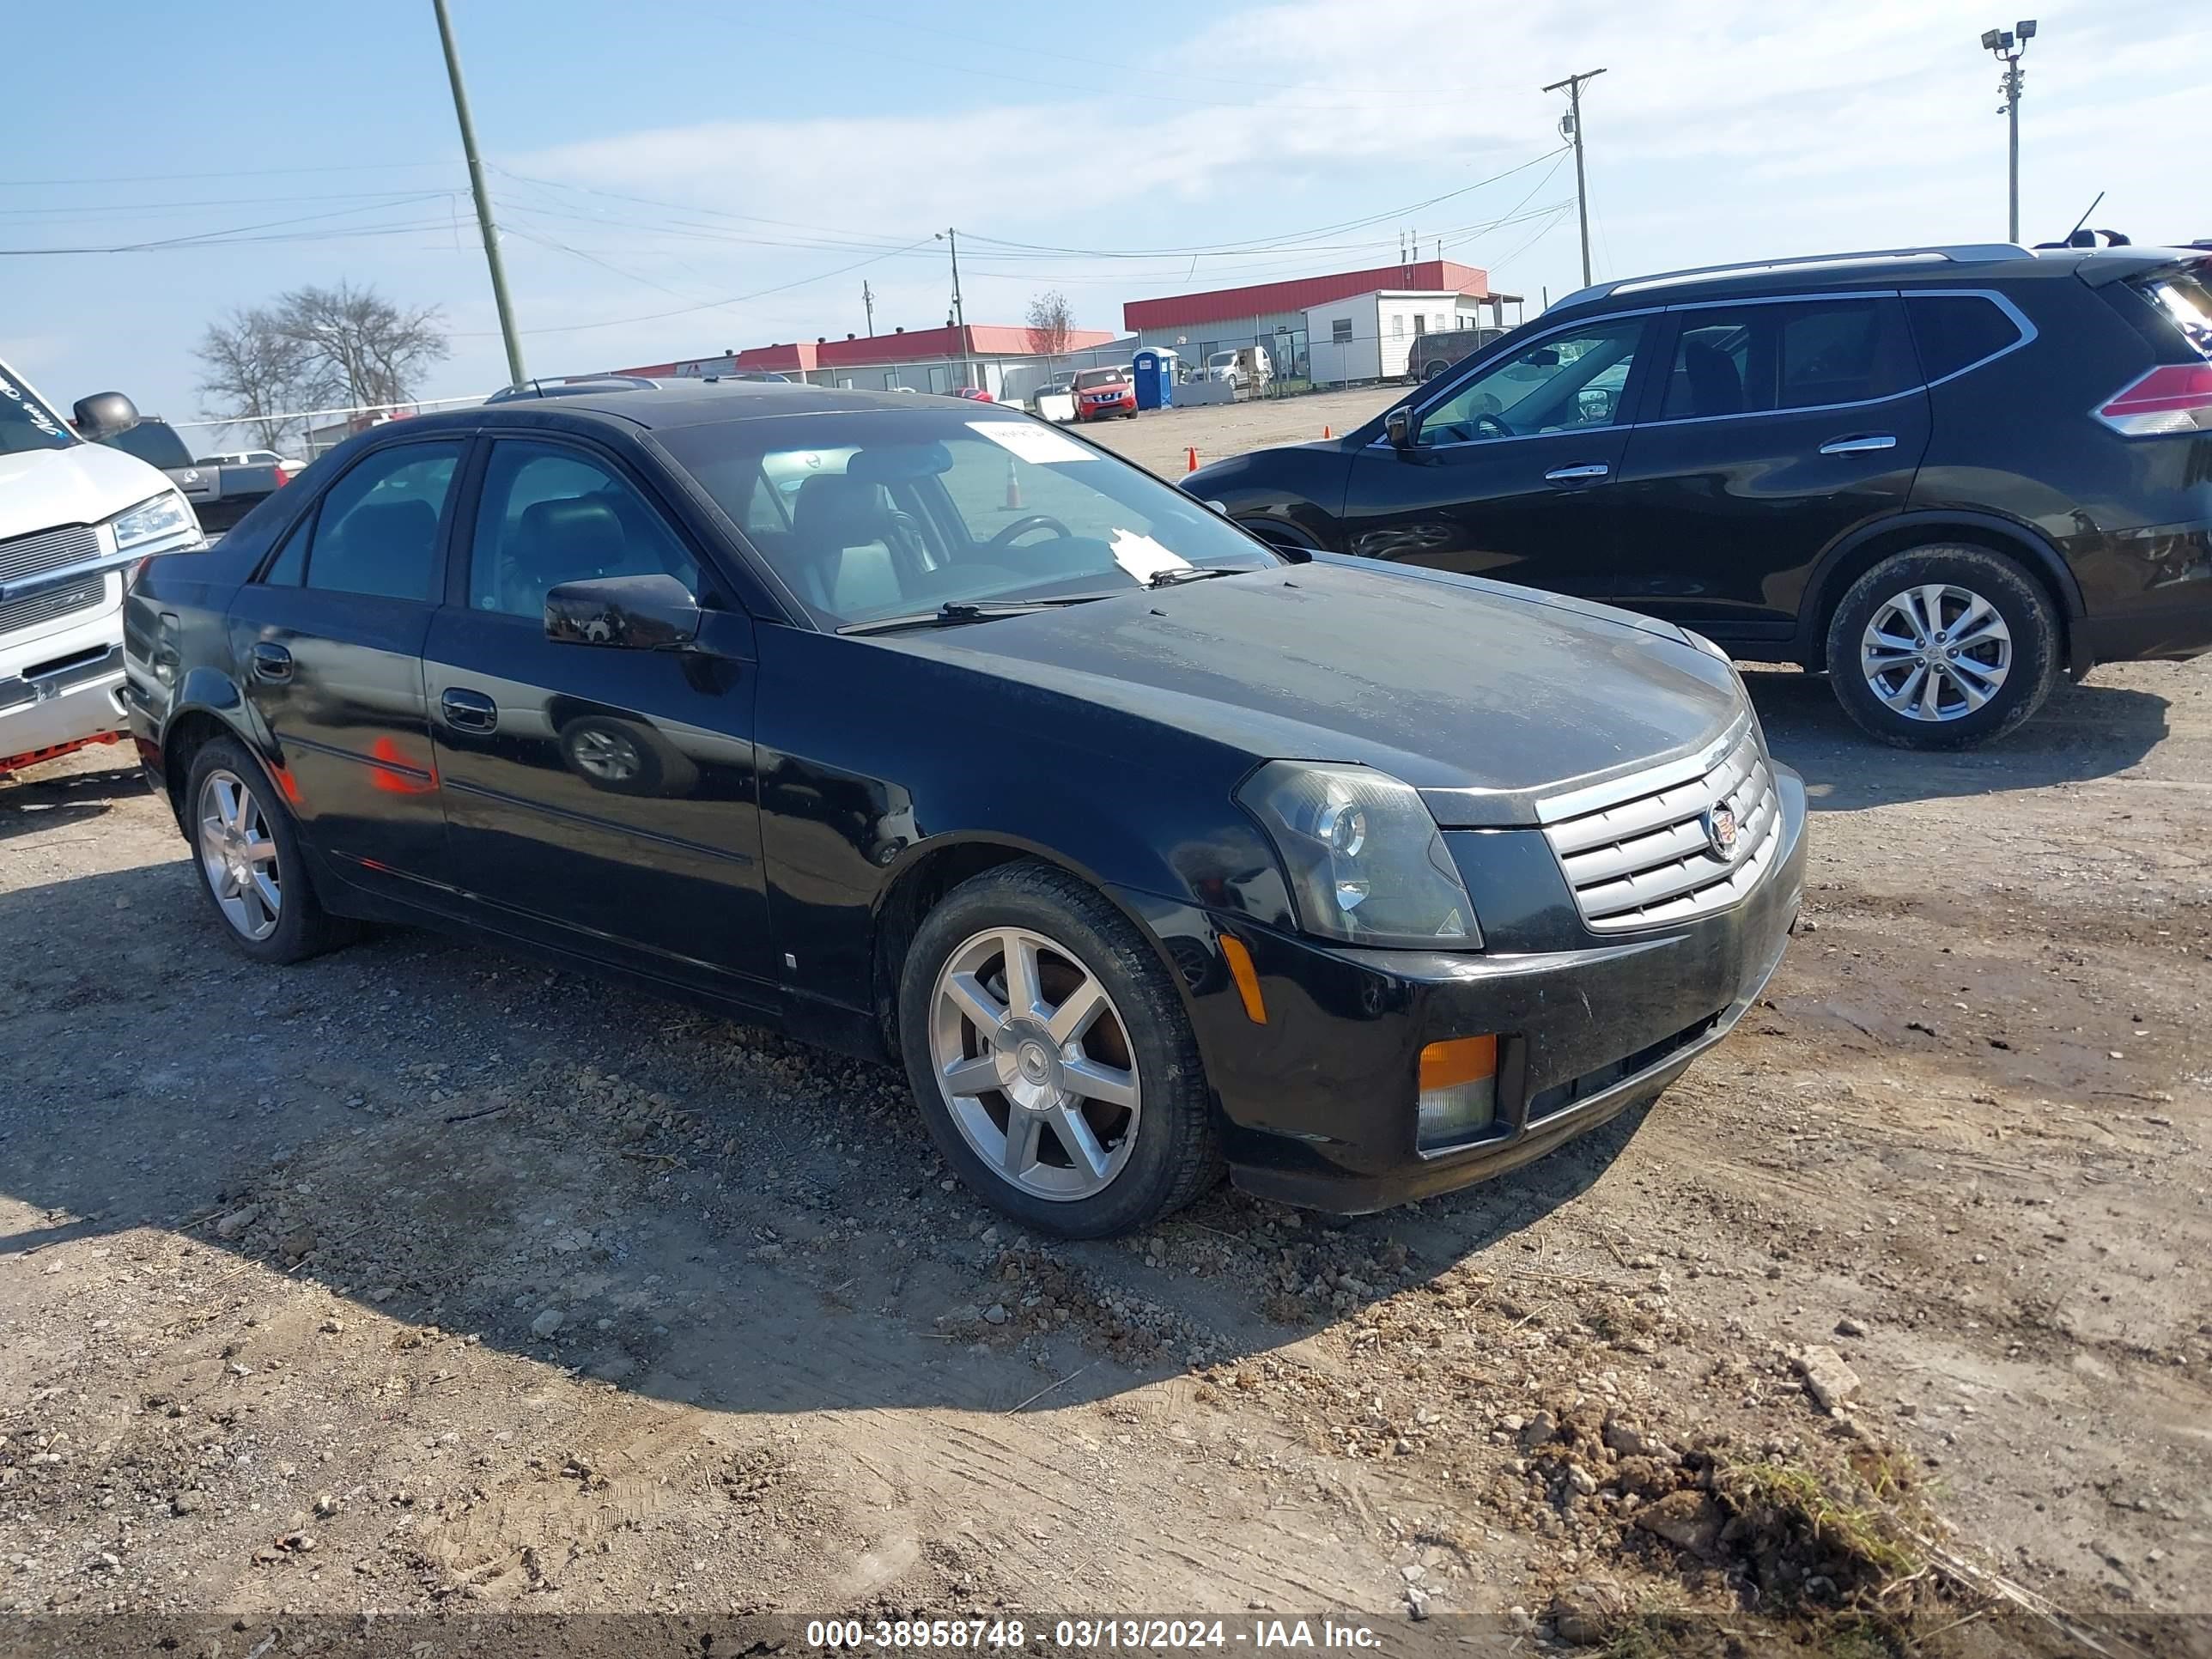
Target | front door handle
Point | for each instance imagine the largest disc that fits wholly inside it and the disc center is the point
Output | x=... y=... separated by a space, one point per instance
x=272 y=662
x=1865 y=444
x=468 y=711
x=1589 y=473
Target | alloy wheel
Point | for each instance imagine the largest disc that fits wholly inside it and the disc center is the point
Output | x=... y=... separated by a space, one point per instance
x=238 y=856
x=608 y=756
x=1935 y=652
x=1035 y=1064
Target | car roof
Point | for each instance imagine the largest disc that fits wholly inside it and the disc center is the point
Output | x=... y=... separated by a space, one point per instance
x=662 y=408
x=1956 y=265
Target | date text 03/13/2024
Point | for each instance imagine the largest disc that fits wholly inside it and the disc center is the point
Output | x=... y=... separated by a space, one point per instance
x=1077 y=1635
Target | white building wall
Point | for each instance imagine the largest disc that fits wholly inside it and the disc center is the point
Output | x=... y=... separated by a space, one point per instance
x=1337 y=360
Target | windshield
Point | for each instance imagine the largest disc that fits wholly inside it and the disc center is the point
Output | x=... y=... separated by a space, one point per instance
x=25 y=423
x=891 y=513
x=1091 y=378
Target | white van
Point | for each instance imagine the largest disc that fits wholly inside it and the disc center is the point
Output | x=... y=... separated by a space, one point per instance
x=74 y=514
x=1247 y=367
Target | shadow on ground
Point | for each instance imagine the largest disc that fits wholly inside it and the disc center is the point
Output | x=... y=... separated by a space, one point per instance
x=720 y=1216
x=2084 y=732
x=50 y=801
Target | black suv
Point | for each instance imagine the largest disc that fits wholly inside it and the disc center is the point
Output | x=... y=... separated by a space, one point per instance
x=1943 y=475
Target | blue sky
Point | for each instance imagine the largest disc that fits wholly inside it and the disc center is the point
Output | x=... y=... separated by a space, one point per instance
x=775 y=146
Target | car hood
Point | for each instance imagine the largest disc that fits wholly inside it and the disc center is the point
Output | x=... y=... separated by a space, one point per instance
x=1485 y=697
x=42 y=489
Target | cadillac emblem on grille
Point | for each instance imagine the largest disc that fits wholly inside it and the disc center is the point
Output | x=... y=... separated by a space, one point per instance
x=1720 y=831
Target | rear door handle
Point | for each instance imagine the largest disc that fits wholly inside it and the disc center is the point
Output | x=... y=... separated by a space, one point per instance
x=1589 y=473
x=272 y=662
x=468 y=711
x=1864 y=445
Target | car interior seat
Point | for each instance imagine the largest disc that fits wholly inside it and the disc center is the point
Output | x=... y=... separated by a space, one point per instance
x=380 y=547
x=573 y=538
x=1715 y=386
x=846 y=530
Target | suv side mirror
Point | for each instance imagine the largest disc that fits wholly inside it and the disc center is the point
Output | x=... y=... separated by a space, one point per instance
x=1398 y=427
x=642 y=613
x=103 y=415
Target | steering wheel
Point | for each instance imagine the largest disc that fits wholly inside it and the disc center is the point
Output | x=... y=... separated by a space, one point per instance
x=1022 y=526
x=1497 y=427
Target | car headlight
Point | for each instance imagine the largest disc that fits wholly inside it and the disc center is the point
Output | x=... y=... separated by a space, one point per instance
x=1366 y=862
x=167 y=517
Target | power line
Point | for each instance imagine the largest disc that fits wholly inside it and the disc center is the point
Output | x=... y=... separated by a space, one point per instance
x=244 y=173
x=217 y=238
x=708 y=305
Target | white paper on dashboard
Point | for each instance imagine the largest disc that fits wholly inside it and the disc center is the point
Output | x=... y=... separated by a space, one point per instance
x=1033 y=443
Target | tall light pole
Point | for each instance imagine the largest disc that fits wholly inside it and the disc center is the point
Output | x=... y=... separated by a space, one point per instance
x=507 y=329
x=1571 y=129
x=2009 y=45
x=951 y=240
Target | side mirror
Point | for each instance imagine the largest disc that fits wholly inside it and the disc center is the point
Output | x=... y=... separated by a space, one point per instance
x=103 y=415
x=641 y=613
x=1398 y=427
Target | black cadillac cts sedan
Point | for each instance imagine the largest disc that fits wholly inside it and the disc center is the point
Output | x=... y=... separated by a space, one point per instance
x=928 y=731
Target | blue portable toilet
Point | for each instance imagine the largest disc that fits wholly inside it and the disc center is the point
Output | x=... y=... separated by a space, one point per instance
x=1155 y=383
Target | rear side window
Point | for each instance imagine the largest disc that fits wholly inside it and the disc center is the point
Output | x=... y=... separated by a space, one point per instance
x=1808 y=354
x=377 y=530
x=1955 y=331
x=2185 y=297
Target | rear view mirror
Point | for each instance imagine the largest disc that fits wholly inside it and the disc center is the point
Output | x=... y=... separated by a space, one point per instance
x=1398 y=428
x=642 y=613
x=103 y=415
x=1543 y=357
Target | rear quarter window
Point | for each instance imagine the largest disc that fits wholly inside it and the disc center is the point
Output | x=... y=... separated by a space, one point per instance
x=1955 y=331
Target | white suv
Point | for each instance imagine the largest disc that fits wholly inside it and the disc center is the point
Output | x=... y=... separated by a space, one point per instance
x=74 y=514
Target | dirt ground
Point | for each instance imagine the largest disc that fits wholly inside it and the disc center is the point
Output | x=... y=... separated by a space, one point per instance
x=421 y=1280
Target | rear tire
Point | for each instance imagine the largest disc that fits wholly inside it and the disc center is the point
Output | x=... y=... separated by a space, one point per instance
x=246 y=849
x=1023 y=992
x=1943 y=646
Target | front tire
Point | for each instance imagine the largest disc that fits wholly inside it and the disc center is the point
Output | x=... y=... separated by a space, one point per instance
x=1943 y=646
x=1052 y=1058
x=246 y=850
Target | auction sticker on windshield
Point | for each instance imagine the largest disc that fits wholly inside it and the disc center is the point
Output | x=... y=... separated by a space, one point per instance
x=1033 y=443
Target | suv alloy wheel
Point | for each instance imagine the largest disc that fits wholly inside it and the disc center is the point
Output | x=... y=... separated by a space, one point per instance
x=1943 y=646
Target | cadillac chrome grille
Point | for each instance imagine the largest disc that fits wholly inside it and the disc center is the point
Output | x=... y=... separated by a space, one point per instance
x=1655 y=848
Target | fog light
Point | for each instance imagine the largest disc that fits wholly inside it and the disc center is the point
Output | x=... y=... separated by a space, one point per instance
x=1459 y=1090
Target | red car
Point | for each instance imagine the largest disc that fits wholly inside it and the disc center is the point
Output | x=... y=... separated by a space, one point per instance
x=975 y=394
x=1103 y=392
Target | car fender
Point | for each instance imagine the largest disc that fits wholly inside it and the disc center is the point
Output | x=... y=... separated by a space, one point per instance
x=1821 y=591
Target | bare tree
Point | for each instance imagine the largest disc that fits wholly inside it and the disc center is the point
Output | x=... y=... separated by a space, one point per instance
x=357 y=346
x=316 y=346
x=1050 y=323
x=252 y=370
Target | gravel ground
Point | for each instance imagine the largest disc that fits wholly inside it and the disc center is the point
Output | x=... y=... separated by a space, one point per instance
x=420 y=1280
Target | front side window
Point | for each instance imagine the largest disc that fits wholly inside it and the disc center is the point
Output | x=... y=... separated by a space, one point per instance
x=1747 y=360
x=376 y=532
x=900 y=513
x=549 y=514
x=1569 y=382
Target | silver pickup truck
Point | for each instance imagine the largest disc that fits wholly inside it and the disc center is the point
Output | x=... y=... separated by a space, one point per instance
x=220 y=494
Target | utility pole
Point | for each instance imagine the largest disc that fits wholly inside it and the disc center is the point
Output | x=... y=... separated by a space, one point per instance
x=868 y=299
x=506 y=330
x=2009 y=45
x=1571 y=128
x=951 y=240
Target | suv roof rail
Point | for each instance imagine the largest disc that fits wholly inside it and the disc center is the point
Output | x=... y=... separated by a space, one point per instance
x=1955 y=253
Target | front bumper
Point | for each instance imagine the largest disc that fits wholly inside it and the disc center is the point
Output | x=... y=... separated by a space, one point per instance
x=79 y=700
x=1319 y=1103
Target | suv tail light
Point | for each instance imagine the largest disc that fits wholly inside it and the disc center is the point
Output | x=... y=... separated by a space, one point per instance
x=2176 y=397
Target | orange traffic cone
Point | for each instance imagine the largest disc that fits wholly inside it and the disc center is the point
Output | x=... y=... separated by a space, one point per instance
x=1193 y=455
x=1326 y=433
x=1013 y=487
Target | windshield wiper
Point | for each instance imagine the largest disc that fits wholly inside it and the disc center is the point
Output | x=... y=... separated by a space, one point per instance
x=954 y=612
x=1175 y=576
